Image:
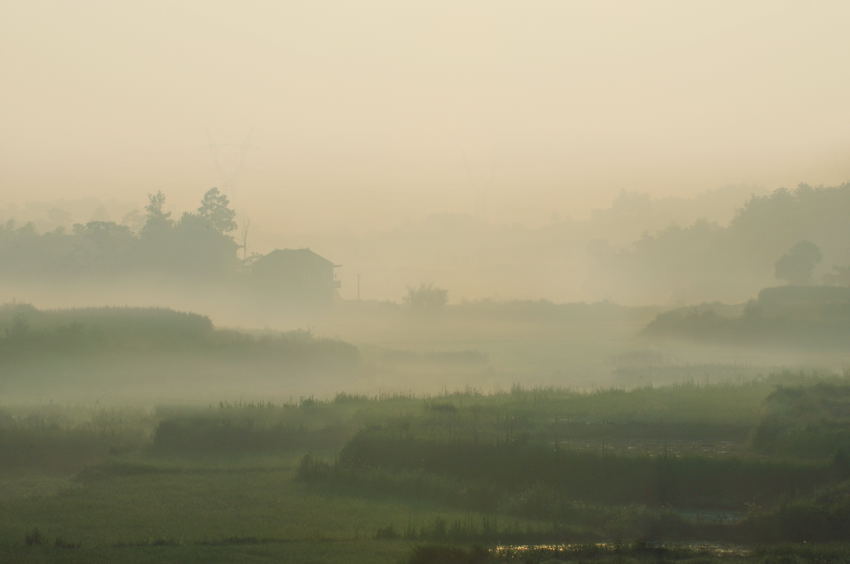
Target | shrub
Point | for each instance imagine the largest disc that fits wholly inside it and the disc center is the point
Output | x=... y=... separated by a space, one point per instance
x=35 y=538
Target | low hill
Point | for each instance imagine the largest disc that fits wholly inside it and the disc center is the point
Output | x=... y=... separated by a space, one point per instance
x=92 y=351
x=797 y=316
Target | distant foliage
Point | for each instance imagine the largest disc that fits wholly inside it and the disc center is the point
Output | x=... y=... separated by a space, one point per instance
x=809 y=421
x=802 y=317
x=797 y=265
x=707 y=261
x=215 y=208
x=426 y=297
x=194 y=246
x=156 y=218
x=83 y=330
x=840 y=276
x=116 y=347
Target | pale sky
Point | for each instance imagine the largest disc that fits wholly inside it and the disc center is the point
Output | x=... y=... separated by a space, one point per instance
x=360 y=114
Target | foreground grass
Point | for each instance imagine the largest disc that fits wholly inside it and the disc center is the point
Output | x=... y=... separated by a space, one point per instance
x=390 y=473
x=200 y=512
x=306 y=552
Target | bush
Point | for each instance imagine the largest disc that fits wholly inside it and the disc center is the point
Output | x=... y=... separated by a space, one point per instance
x=35 y=538
x=426 y=297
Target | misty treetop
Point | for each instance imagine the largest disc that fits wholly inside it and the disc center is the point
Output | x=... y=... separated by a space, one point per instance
x=196 y=248
x=794 y=236
x=787 y=236
x=796 y=266
x=196 y=244
x=216 y=212
x=426 y=297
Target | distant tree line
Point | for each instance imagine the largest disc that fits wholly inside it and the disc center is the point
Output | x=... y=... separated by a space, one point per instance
x=799 y=236
x=198 y=244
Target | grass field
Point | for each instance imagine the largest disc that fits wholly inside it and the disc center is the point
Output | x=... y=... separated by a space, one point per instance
x=246 y=510
x=680 y=473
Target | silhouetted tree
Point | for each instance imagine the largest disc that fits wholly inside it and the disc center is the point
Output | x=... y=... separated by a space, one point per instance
x=840 y=276
x=426 y=297
x=201 y=247
x=197 y=245
x=156 y=218
x=215 y=208
x=134 y=220
x=102 y=246
x=154 y=246
x=796 y=266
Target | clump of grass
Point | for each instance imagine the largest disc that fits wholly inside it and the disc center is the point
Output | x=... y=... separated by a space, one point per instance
x=159 y=541
x=62 y=543
x=35 y=538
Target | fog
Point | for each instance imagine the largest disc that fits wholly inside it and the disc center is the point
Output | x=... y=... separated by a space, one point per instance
x=338 y=118
x=424 y=282
x=632 y=174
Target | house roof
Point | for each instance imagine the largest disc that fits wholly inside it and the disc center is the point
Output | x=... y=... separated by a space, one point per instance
x=294 y=256
x=800 y=295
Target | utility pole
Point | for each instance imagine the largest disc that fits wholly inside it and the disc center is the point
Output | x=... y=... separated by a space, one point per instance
x=244 y=244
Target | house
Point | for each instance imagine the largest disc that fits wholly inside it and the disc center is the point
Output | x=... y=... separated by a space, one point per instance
x=804 y=301
x=296 y=277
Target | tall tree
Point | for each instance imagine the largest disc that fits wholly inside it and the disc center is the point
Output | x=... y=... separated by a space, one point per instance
x=155 y=215
x=215 y=209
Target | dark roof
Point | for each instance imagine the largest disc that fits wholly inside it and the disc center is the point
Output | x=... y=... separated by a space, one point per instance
x=294 y=256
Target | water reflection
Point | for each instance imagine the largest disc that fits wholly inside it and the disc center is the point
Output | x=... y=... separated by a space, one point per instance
x=694 y=548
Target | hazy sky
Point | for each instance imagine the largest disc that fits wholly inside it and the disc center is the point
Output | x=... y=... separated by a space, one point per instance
x=362 y=113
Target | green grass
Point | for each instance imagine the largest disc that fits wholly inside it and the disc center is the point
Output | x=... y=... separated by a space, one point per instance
x=301 y=552
x=219 y=483
x=239 y=510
